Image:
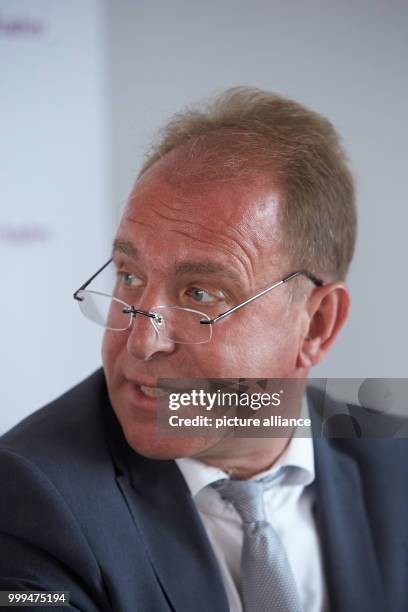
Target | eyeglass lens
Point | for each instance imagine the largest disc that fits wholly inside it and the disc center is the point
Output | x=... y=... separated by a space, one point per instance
x=173 y=322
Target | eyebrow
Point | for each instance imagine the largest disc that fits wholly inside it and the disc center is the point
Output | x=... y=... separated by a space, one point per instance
x=207 y=267
x=125 y=247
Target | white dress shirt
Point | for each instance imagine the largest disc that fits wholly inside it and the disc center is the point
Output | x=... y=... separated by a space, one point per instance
x=288 y=508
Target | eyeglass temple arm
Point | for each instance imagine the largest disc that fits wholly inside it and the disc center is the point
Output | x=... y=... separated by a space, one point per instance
x=317 y=281
x=86 y=283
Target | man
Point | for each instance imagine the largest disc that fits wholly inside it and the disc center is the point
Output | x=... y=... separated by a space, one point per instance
x=250 y=191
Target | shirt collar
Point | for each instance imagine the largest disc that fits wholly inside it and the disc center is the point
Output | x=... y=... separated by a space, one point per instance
x=298 y=454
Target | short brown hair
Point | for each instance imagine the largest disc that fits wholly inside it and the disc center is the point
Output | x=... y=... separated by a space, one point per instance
x=249 y=132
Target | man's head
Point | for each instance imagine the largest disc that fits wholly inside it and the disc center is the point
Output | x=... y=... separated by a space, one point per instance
x=231 y=200
x=247 y=135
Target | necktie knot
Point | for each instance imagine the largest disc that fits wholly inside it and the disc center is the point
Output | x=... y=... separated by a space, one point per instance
x=247 y=498
x=247 y=495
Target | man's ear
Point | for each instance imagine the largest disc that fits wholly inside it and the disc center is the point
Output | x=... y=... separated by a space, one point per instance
x=327 y=311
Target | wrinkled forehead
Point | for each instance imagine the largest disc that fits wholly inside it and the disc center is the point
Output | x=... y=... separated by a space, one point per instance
x=247 y=203
x=225 y=219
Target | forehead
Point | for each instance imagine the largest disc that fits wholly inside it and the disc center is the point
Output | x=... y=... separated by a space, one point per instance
x=226 y=222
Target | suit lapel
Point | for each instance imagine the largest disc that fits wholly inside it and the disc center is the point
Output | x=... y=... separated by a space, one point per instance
x=170 y=527
x=351 y=567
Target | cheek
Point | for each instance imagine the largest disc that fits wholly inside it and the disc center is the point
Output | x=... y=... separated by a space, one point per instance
x=255 y=350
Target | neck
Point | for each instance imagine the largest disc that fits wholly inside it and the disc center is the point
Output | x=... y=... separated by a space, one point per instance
x=242 y=457
x=249 y=461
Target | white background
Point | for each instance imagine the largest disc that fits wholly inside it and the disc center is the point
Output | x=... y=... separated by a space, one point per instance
x=54 y=217
x=81 y=102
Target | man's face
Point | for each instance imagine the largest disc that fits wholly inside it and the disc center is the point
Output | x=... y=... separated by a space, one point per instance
x=207 y=248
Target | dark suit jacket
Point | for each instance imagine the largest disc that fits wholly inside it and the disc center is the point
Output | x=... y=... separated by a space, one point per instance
x=80 y=511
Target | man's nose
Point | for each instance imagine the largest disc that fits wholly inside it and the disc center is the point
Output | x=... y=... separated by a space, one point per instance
x=144 y=341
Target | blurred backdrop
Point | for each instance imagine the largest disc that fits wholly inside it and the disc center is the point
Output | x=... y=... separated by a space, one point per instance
x=86 y=84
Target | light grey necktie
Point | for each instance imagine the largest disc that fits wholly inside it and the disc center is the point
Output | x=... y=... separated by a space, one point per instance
x=267 y=583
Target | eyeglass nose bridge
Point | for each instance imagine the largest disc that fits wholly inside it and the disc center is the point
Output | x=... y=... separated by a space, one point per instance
x=157 y=319
x=134 y=311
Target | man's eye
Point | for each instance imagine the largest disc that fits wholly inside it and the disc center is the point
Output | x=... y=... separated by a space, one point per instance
x=130 y=280
x=200 y=295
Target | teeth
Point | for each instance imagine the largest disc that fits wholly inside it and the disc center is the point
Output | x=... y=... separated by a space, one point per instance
x=153 y=391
